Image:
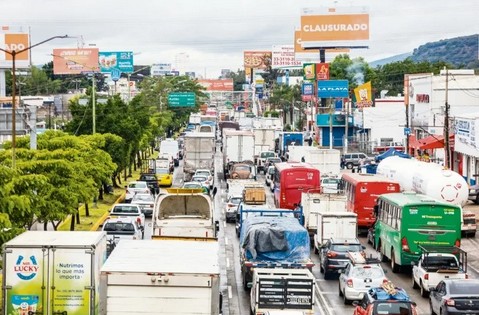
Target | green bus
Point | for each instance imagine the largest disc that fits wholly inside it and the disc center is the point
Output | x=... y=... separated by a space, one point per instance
x=406 y=220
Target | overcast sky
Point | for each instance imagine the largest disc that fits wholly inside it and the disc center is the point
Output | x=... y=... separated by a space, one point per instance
x=208 y=35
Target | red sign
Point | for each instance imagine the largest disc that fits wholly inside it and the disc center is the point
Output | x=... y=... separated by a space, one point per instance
x=217 y=85
x=322 y=71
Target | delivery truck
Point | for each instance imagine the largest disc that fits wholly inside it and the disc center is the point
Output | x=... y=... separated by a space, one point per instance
x=337 y=225
x=53 y=272
x=199 y=153
x=162 y=277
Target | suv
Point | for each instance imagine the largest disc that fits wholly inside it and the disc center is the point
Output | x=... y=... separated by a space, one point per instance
x=386 y=299
x=152 y=182
x=122 y=228
x=334 y=254
x=351 y=160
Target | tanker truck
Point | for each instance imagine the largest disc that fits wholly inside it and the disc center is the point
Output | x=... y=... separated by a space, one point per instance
x=426 y=178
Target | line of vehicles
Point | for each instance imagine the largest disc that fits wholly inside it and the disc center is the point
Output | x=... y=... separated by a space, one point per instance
x=316 y=212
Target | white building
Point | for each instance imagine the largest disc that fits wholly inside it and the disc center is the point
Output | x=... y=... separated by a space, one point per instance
x=466 y=145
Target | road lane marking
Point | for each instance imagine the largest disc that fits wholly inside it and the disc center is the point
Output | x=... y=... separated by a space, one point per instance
x=226 y=241
x=224 y=224
x=230 y=292
x=227 y=263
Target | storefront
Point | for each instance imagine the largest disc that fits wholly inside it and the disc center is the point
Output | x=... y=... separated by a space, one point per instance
x=466 y=146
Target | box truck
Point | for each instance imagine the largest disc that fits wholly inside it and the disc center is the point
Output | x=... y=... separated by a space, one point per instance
x=342 y=225
x=53 y=272
x=162 y=277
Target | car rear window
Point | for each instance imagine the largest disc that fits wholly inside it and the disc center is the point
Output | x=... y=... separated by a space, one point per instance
x=267 y=154
x=119 y=227
x=137 y=185
x=148 y=177
x=367 y=272
x=457 y=287
x=346 y=247
x=392 y=308
x=125 y=209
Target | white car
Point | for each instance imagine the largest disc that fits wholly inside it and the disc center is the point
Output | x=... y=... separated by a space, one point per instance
x=122 y=228
x=208 y=174
x=357 y=278
x=203 y=180
x=146 y=203
x=134 y=188
x=121 y=210
x=329 y=185
x=269 y=175
x=231 y=207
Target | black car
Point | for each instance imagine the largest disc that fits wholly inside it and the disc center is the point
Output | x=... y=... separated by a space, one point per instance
x=455 y=296
x=152 y=182
x=333 y=255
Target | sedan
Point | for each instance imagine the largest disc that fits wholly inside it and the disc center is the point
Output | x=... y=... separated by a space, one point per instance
x=231 y=207
x=134 y=188
x=146 y=203
x=208 y=174
x=356 y=279
x=203 y=180
x=455 y=296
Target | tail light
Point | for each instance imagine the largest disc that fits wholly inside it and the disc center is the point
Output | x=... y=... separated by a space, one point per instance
x=457 y=243
x=426 y=276
x=349 y=283
x=405 y=245
x=138 y=220
x=450 y=302
x=332 y=254
x=385 y=281
x=309 y=265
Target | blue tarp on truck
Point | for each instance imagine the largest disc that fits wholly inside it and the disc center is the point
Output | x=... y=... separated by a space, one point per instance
x=275 y=239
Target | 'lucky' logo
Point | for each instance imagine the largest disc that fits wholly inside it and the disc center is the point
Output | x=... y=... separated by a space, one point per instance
x=26 y=270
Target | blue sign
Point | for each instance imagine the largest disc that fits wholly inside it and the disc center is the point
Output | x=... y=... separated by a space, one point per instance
x=338 y=104
x=120 y=60
x=307 y=88
x=115 y=74
x=333 y=88
x=407 y=131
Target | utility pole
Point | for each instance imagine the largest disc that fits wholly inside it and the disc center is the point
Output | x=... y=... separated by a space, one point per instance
x=346 y=128
x=447 y=159
x=93 y=105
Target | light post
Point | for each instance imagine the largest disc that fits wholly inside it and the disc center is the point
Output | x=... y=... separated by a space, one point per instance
x=129 y=81
x=14 y=53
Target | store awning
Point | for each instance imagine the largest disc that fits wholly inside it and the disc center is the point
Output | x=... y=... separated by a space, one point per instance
x=431 y=142
x=413 y=143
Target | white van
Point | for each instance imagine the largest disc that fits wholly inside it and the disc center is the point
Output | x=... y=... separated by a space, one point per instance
x=171 y=147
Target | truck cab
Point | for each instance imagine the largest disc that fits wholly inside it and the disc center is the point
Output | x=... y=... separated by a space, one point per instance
x=438 y=263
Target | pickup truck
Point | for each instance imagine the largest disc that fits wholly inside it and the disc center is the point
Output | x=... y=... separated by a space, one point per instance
x=436 y=264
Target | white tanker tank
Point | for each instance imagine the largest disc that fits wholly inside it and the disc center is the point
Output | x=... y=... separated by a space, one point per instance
x=425 y=178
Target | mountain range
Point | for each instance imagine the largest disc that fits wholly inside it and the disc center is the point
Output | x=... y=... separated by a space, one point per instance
x=462 y=52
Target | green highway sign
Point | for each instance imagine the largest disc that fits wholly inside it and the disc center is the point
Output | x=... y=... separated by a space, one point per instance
x=182 y=99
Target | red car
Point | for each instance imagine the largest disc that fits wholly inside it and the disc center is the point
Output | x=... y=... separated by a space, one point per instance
x=385 y=300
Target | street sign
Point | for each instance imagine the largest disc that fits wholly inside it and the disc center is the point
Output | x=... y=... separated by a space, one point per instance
x=407 y=131
x=115 y=74
x=182 y=99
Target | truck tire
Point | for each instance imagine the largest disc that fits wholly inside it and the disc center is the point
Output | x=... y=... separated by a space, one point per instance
x=424 y=293
x=349 y=165
x=245 y=283
x=414 y=284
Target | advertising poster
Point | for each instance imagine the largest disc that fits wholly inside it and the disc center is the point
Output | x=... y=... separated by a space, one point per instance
x=309 y=71
x=71 y=275
x=283 y=57
x=217 y=84
x=10 y=42
x=257 y=59
x=363 y=95
x=75 y=60
x=333 y=88
x=322 y=71
x=24 y=275
x=120 y=60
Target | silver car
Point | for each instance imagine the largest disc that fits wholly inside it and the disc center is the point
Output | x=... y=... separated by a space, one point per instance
x=357 y=278
x=146 y=203
x=134 y=188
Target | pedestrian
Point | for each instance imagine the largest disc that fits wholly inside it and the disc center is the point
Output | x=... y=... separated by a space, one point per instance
x=215 y=190
x=310 y=141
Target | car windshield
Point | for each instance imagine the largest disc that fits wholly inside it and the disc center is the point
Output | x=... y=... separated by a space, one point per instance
x=236 y=200
x=162 y=171
x=198 y=178
x=267 y=154
x=125 y=209
x=148 y=177
x=137 y=185
x=392 y=308
x=463 y=287
x=242 y=168
x=203 y=173
x=119 y=227
x=346 y=247
x=367 y=272
x=143 y=197
x=192 y=185
x=332 y=181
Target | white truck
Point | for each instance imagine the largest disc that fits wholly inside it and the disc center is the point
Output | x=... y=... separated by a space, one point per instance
x=53 y=272
x=437 y=263
x=171 y=148
x=335 y=225
x=238 y=146
x=263 y=140
x=184 y=213
x=154 y=277
x=199 y=153
x=315 y=202
x=327 y=161
x=296 y=285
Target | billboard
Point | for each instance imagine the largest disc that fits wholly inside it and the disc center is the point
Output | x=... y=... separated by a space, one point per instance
x=217 y=85
x=75 y=60
x=120 y=60
x=335 y=27
x=312 y=55
x=333 y=88
x=309 y=70
x=322 y=71
x=257 y=59
x=283 y=57
x=11 y=42
x=363 y=95
x=159 y=69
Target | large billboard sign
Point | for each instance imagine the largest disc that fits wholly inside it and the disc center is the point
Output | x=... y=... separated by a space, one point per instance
x=217 y=85
x=160 y=69
x=312 y=55
x=75 y=60
x=14 y=42
x=120 y=60
x=333 y=88
x=257 y=59
x=283 y=57
x=335 y=27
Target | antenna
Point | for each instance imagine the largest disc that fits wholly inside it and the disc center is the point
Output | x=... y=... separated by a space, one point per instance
x=80 y=42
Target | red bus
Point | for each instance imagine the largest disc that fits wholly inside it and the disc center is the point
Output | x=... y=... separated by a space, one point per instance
x=290 y=179
x=362 y=192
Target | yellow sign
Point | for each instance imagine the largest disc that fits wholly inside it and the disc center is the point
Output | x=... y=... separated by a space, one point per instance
x=363 y=95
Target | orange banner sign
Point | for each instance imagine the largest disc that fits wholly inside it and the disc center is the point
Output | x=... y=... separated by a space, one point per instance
x=75 y=61
x=217 y=85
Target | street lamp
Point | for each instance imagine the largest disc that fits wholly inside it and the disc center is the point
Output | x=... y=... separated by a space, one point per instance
x=14 y=53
